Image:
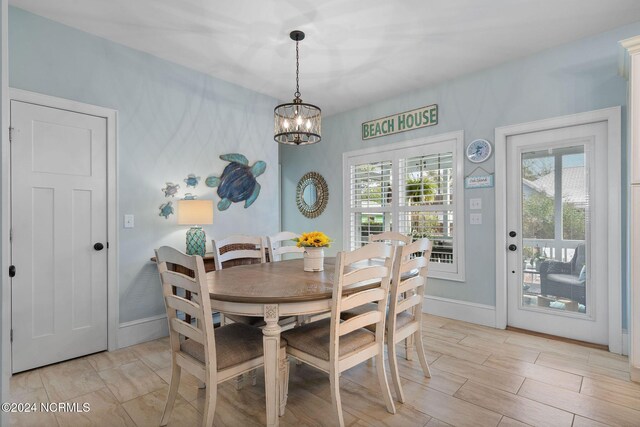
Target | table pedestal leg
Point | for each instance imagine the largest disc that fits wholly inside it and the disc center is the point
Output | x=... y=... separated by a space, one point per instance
x=271 y=342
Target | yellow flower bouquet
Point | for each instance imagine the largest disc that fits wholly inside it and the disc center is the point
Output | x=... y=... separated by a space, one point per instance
x=313 y=244
x=314 y=239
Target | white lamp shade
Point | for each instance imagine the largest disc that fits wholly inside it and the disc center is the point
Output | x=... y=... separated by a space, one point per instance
x=195 y=212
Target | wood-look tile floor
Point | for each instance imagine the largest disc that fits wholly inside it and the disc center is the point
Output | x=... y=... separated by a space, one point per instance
x=480 y=377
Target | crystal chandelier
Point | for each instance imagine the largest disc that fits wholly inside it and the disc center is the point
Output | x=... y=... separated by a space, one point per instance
x=297 y=123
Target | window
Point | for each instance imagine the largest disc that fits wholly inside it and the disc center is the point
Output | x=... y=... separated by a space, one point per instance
x=415 y=189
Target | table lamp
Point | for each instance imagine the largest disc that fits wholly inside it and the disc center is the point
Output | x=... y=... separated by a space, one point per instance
x=195 y=213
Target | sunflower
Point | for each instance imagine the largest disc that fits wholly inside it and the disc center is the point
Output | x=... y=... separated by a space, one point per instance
x=313 y=239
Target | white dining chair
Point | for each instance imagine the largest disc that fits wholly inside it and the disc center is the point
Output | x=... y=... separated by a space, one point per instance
x=395 y=239
x=211 y=355
x=239 y=248
x=404 y=319
x=277 y=249
x=333 y=346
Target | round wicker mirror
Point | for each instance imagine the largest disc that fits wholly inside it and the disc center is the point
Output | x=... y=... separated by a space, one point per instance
x=312 y=194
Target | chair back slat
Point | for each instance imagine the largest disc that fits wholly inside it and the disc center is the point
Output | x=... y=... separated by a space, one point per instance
x=241 y=253
x=180 y=280
x=238 y=247
x=410 y=283
x=174 y=285
x=277 y=249
x=169 y=255
x=187 y=330
x=361 y=298
x=184 y=305
x=413 y=264
x=367 y=253
x=407 y=294
x=408 y=303
x=351 y=268
x=390 y=236
x=359 y=321
x=368 y=273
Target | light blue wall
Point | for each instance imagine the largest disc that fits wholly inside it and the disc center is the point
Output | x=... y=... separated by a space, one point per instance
x=572 y=78
x=172 y=121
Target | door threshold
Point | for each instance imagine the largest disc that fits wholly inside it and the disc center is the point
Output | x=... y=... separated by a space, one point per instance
x=557 y=338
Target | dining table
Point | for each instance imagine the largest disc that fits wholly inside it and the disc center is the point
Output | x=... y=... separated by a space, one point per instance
x=271 y=291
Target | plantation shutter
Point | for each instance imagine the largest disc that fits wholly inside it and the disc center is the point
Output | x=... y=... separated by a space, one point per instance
x=371 y=200
x=412 y=190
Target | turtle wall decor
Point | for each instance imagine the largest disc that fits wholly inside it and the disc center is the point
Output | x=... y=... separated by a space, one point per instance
x=192 y=180
x=170 y=189
x=166 y=210
x=238 y=181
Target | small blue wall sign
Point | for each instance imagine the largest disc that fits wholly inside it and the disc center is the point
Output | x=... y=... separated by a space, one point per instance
x=479 y=181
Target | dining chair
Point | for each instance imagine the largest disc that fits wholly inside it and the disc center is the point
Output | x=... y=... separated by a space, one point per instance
x=332 y=345
x=211 y=355
x=396 y=239
x=391 y=236
x=277 y=249
x=238 y=250
x=404 y=319
x=242 y=250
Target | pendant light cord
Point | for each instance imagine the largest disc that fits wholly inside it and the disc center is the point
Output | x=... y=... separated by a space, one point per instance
x=297 y=94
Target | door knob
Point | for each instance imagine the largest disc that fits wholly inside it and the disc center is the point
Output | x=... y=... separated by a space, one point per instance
x=98 y=246
x=512 y=247
x=512 y=234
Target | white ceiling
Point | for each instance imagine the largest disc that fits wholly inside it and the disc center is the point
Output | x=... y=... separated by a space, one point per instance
x=356 y=52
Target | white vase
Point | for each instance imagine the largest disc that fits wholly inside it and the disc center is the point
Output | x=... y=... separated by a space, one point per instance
x=313 y=259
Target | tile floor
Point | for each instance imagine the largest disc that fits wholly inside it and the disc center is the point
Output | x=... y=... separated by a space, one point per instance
x=481 y=377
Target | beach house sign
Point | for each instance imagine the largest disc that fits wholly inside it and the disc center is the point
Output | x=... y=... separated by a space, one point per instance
x=401 y=122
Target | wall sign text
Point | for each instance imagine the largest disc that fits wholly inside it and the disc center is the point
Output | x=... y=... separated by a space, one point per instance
x=401 y=122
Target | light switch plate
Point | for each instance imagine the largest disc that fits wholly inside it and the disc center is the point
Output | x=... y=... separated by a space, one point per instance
x=475 y=219
x=128 y=221
x=475 y=204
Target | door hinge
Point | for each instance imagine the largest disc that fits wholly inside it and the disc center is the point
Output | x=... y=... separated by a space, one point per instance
x=11 y=335
x=10 y=134
x=11 y=234
x=107 y=245
x=12 y=271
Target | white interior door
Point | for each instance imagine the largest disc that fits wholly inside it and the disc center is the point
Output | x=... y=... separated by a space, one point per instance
x=58 y=214
x=557 y=224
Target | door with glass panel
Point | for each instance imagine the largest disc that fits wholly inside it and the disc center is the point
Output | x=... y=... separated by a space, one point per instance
x=557 y=232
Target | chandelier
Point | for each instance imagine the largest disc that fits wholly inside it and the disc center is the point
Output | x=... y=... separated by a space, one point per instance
x=297 y=123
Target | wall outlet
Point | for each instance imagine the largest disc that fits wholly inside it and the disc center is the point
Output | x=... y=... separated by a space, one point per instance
x=475 y=204
x=475 y=219
x=128 y=221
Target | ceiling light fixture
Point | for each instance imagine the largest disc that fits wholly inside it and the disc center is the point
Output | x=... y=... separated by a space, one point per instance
x=297 y=123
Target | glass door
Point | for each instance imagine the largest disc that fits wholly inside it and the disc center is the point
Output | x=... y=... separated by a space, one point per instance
x=557 y=232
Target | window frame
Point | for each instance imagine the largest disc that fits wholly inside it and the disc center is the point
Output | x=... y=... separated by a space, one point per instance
x=448 y=142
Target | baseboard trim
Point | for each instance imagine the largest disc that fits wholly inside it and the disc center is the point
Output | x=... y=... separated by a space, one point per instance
x=142 y=330
x=471 y=312
x=625 y=342
x=635 y=374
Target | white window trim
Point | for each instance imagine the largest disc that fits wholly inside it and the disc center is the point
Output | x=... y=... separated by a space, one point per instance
x=459 y=200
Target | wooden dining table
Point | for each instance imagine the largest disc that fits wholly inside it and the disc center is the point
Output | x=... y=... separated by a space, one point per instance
x=274 y=290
